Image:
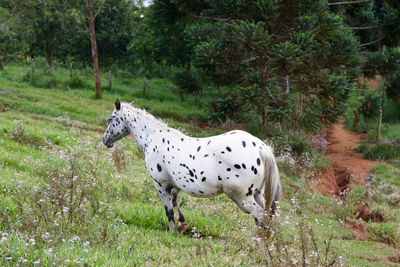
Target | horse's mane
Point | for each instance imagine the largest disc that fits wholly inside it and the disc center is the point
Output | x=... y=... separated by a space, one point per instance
x=144 y=113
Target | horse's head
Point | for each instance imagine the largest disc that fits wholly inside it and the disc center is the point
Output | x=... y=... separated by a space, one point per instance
x=117 y=126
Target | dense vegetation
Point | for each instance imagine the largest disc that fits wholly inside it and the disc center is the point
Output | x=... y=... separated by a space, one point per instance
x=281 y=70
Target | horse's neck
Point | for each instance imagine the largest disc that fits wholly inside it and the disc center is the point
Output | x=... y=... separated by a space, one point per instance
x=143 y=126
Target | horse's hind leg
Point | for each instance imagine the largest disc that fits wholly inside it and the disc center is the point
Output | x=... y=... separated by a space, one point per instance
x=183 y=226
x=164 y=192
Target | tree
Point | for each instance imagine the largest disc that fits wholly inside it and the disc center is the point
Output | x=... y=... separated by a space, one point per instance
x=262 y=46
x=93 y=41
x=44 y=26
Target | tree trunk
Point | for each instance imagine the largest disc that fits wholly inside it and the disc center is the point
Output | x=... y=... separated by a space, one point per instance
x=95 y=56
x=283 y=83
x=144 y=85
x=356 y=119
x=49 y=57
x=1 y=63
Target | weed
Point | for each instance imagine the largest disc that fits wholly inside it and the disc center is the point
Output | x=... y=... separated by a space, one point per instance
x=385 y=232
x=70 y=201
x=20 y=135
x=119 y=158
x=343 y=206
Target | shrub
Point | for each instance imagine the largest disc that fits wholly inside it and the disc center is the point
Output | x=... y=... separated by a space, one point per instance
x=370 y=106
x=224 y=107
x=386 y=150
x=20 y=135
x=385 y=232
x=43 y=80
x=186 y=82
x=77 y=82
x=72 y=200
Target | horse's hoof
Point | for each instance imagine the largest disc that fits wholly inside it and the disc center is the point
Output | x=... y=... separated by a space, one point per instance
x=183 y=228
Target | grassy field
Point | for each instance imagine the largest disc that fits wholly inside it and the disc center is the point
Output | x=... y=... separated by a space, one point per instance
x=67 y=200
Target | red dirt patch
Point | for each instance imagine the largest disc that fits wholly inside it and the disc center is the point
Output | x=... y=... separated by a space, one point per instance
x=348 y=168
x=395 y=259
x=360 y=230
x=365 y=213
x=37 y=119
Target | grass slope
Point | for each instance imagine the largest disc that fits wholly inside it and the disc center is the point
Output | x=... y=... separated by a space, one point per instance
x=67 y=200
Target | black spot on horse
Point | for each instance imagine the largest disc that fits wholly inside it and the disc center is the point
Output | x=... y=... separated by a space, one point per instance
x=198 y=149
x=228 y=148
x=244 y=143
x=206 y=155
x=229 y=169
x=203 y=179
x=208 y=142
x=201 y=192
x=243 y=166
x=250 y=191
x=191 y=173
x=258 y=161
x=182 y=139
x=254 y=144
x=219 y=178
x=192 y=180
x=159 y=167
x=237 y=166
x=255 y=170
x=219 y=162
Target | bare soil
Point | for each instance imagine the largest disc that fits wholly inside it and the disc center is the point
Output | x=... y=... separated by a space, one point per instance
x=348 y=168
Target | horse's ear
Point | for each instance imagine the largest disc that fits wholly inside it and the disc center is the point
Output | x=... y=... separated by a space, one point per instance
x=117 y=104
x=133 y=102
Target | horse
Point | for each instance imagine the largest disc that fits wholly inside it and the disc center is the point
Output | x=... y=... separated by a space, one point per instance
x=235 y=163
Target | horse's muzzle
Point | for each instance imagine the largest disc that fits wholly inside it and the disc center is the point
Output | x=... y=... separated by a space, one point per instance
x=107 y=144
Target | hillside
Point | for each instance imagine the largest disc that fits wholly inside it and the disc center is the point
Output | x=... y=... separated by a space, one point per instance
x=65 y=199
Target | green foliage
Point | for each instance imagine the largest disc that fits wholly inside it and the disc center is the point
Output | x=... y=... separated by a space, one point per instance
x=77 y=81
x=370 y=106
x=223 y=108
x=385 y=232
x=43 y=80
x=386 y=150
x=187 y=82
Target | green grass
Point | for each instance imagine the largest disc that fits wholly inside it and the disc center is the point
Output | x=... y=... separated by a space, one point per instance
x=130 y=228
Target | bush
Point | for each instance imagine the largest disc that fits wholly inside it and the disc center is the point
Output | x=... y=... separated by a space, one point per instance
x=186 y=82
x=77 y=82
x=71 y=200
x=222 y=108
x=386 y=150
x=44 y=80
x=385 y=232
x=370 y=106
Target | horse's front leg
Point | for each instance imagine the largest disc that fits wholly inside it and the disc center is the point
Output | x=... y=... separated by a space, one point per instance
x=183 y=226
x=164 y=192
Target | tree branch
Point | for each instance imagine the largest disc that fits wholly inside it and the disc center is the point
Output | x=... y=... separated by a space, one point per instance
x=13 y=11
x=210 y=18
x=349 y=2
x=100 y=7
x=373 y=42
x=366 y=27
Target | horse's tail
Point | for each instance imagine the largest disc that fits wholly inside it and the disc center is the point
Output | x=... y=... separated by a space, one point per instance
x=272 y=189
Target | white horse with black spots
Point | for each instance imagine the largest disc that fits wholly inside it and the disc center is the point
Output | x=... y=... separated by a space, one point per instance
x=235 y=163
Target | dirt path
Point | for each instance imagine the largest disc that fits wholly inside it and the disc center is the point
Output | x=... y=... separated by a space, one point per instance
x=348 y=168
